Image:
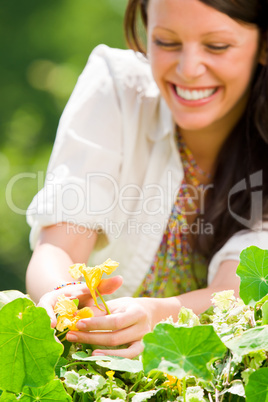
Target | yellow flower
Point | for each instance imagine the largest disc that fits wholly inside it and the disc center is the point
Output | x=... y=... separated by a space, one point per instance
x=68 y=313
x=93 y=275
x=110 y=374
x=172 y=382
x=76 y=270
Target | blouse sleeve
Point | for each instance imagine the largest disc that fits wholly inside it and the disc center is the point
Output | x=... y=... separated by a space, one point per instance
x=235 y=245
x=84 y=167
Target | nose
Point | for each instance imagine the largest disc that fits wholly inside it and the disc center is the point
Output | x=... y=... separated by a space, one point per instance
x=191 y=64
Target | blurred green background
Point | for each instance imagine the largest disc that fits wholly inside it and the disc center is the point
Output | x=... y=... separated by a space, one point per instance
x=44 y=46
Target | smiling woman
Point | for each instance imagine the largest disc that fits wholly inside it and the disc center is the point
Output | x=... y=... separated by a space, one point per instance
x=161 y=158
x=191 y=48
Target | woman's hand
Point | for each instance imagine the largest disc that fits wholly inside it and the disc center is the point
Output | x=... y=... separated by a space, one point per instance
x=130 y=320
x=81 y=292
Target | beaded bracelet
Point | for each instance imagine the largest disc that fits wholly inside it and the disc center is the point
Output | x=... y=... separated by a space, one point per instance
x=66 y=284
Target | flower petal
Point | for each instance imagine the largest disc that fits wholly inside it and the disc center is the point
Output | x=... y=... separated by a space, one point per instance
x=65 y=306
x=63 y=322
x=76 y=270
x=109 y=266
x=85 y=312
x=93 y=277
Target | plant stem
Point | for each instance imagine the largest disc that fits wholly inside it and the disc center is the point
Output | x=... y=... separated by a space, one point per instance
x=151 y=382
x=62 y=333
x=184 y=389
x=133 y=388
x=103 y=301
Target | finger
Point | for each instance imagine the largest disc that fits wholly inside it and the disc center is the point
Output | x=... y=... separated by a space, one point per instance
x=133 y=350
x=49 y=300
x=108 y=338
x=111 y=322
x=106 y=286
x=48 y=306
x=110 y=285
x=80 y=291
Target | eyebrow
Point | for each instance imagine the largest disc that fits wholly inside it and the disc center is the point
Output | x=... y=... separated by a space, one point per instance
x=218 y=31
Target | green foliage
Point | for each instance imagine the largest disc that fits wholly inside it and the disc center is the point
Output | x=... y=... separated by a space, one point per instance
x=9 y=295
x=52 y=391
x=185 y=361
x=111 y=363
x=265 y=313
x=253 y=273
x=44 y=46
x=182 y=351
x=7 y=397
x=257 y=388
x=28 y=349
x=251 y=340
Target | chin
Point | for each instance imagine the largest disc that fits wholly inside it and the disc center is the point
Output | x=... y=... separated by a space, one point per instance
x=192 y=124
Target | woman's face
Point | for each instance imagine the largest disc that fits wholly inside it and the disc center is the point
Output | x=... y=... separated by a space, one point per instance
x=202 y=61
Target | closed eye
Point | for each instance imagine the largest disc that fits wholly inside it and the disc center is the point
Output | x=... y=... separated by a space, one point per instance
x=166 y=44
x=218 y=48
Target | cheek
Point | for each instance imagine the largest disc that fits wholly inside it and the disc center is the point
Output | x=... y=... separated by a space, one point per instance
x=161 y=64
x=239 y=75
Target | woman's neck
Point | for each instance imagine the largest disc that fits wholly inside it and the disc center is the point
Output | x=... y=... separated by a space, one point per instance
x=206 y=143
x=205 y=147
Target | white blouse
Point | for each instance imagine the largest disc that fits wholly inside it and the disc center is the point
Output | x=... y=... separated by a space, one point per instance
x=115 y=168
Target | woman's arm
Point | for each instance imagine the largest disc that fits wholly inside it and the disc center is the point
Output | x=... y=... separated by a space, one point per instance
x=132 y=318
x=59 y=246
x=225 y=279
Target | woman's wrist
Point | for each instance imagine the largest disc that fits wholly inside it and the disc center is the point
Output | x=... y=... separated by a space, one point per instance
x=161 y=308
x=67 y=284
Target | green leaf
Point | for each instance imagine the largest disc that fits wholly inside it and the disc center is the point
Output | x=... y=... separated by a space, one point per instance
x=119 y=393
x=236 y=388
x=182 y=351
x=257 y=387
x=28 y=349
x=265 y=313
x=83 y=383
x=250 y=341
x=253 y=273
x=143 y=396
x=126 y=365
x=76 y=302
x=60 y=363
x=262 y=301
x=112 y=362
x=6 y=296
x=7 y=397
x=195 y=394
x=53 y=391
x=187 y=317
x=83 y=356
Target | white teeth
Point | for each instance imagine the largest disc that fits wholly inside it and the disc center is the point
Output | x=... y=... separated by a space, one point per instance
x=195 y=94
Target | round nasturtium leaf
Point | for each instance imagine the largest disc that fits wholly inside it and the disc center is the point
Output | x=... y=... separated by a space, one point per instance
x=7 y=397
x=53 y=391
x=28 y=349
x=253 y=273
x=182 y=351
x=257 y=387
x=252 y=340
x=6 y=296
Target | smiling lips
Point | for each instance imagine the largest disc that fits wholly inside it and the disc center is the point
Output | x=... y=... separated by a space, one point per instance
x=195 y=94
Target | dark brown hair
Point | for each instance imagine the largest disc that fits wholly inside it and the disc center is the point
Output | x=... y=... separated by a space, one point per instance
x=245 y=151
